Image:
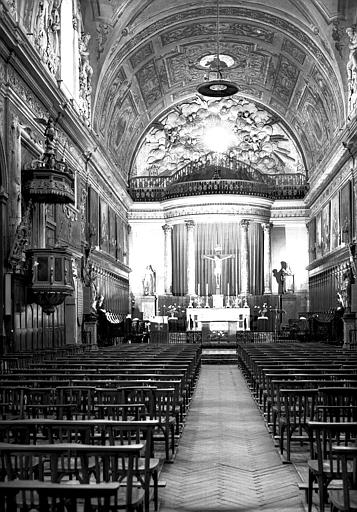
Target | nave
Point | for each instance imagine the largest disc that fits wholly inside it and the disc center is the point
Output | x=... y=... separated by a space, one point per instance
x=226 y=459
x=207 y=437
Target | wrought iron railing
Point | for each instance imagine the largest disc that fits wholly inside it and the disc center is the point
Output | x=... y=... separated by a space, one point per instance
x=249 y=181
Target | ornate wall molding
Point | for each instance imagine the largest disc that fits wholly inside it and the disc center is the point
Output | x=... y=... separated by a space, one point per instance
x=335 y=184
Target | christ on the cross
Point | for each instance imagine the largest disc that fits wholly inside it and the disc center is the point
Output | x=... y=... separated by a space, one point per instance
x=217 y=259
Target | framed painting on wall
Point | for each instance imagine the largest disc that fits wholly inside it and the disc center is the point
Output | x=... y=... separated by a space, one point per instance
x=312 y=239
x=93 y=218
x=104 y=226
x=119 y=239
x=345 y=218
x=318 y=243
x=325 y=229
x=335 y=222
x=112 y=234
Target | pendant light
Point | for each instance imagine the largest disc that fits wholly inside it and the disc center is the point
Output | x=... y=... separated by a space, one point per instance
x=216 y=86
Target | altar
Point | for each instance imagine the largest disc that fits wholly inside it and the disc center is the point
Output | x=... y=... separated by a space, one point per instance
x=218 y=319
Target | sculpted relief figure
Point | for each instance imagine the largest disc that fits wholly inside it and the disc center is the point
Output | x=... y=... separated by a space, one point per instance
x=352 y=67
x=85 y=77
x=40 y=31
x=46 y=33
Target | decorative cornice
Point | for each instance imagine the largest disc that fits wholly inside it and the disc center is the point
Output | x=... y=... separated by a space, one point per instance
x=332 y=259
x=335 y=184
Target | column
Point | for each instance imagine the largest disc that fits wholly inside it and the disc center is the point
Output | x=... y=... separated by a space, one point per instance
x=244 y=267
x=167 y=258
x=191 y=260
x=267 y=256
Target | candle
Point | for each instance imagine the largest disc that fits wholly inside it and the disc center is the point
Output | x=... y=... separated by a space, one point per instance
x=206 y=288
x=228 y=289
x=198 y=289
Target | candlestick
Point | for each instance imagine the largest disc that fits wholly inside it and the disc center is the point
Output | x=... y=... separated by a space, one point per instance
x=207 y=305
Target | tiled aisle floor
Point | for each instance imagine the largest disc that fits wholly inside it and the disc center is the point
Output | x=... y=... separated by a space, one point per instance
x=226 y=460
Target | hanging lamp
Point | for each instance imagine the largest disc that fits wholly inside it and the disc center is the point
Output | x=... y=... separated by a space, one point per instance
x=217 y=86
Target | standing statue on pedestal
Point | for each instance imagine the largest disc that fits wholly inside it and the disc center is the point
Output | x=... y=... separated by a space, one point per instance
x=149 y=281
x=281 y=277
x=217 y=259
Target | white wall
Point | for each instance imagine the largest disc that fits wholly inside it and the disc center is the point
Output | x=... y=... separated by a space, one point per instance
x=146 y=248
x=290 y=244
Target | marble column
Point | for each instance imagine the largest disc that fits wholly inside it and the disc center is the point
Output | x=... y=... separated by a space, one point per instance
x=244 y=267
x=167 y=258
x=267 y=256
x=191 y=260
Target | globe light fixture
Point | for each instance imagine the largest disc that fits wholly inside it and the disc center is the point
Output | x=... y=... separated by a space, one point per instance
x=215 y=86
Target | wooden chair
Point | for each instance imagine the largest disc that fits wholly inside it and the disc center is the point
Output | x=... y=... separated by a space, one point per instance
x=53 y=497
x=59 y=463
x=345 y=499
x=323 y=465
x=98 y=432
x=297 y=410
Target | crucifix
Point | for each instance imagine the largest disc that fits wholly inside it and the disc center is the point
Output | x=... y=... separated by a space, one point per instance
x=217 y=259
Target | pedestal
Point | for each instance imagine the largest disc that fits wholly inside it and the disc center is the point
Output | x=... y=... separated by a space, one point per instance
x=148 y=306
x=349 y=324
x=90 y=330
x=217 y=301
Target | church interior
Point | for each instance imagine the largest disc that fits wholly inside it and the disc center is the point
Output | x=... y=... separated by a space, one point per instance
x=177 y=211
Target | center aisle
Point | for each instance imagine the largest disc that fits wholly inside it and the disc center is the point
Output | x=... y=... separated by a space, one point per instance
x=226 y=460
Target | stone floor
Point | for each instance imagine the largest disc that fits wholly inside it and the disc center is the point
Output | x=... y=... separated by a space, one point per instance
x=226 y=459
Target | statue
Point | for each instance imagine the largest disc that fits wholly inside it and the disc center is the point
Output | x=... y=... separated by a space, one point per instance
x=217 y=260
x=149 y=281
x=85 y=76
x=352 y=59
x=352 y=67
x=281 y=275
x=345 y=294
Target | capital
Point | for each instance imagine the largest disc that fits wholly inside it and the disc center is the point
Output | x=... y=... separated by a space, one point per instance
x=190 y=224
x=167 y=228
x=244 y=224
x=267 y=226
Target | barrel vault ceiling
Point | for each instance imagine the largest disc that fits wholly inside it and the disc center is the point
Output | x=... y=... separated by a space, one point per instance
x=289 y=59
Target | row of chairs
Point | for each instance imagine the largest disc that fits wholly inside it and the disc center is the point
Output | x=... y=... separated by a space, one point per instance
x=308 y=396
x=94 y=419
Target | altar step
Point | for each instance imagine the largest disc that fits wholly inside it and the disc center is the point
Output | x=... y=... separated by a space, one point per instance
x=219 y=356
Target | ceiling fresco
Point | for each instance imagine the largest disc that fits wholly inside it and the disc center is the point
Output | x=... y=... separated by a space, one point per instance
x=289 y=61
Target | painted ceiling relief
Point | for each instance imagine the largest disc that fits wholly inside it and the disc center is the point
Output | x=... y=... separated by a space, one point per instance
x=182 y=135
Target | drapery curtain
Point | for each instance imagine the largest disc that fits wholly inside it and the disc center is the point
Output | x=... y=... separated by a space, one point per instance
x=256 y=259
x=179 y=259
x=207 y=237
